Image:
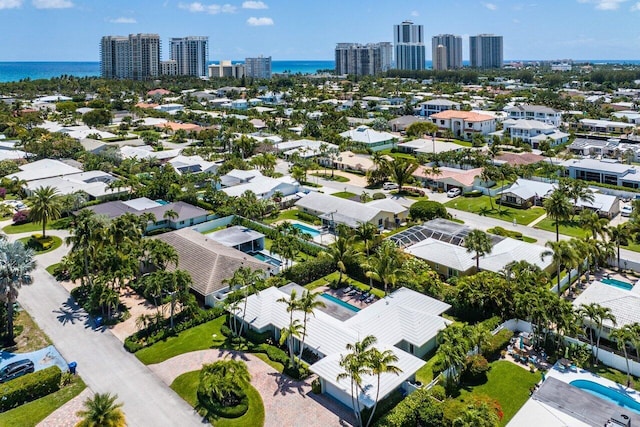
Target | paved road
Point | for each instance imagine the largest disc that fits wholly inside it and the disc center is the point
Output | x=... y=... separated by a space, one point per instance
x=102 y=361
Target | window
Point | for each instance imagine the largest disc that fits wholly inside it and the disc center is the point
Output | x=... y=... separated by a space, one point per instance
x=380 y=222
x=441 y=122
x=452 y=272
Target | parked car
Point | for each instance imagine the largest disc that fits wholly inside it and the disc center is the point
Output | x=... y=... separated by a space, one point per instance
x=626 y=210
x=454 y=192
x=16 y=369
x=389 y=186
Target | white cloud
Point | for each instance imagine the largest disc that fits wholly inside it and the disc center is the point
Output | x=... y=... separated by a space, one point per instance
x=52 y=4
x=123 y=20
x=254 y=5
x=415 y=13
x=490 y=6
x=635 y=7
x=211 y=9
x=259 y=22
x=10 y=4
x=604 y=4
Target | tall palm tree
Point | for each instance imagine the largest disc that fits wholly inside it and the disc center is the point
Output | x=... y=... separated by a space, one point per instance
x=621 y=336
x=355 y=366
x=341 y=253
x=604 y=314
x=247 y=280
x=385 y=266
x=16 y=261
x=307 y=304
x=558 y=207
x=366 y=232
x=619 y=235
x=84 y=232
x=563 y=256
x=170 y=215
x=101 y=410
x=381 y=362
x=591 y=221
x=293 y=304
x=45 y=206
x=401 y=170
x=589 y=314
x=577 y=190
x=479 y=242
x=288 y=334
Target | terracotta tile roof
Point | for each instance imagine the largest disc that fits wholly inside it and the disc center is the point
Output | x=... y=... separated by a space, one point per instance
x=159 y=92
x=464 y=177
x=520 y=159
x=464 y=115
x=146 y=105
x=175 y=126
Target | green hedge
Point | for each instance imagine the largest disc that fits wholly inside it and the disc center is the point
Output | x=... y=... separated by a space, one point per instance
x=472 y=193
x=29 y=387
x=235 y=411
x=426 y=210
x=497 y=343
x=271 y=233
x=310 y=270
x=499 y=231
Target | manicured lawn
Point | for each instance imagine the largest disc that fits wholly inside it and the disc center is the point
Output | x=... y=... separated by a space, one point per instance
x=344 y=194
x=614 y=375
x=29 y=337
x=31 y=227
x=425 y=374
x=509 y=384
x=57 y=242
x=52 y=268
x=337 y=178
x=568 y=228
x=635 y=247
x=290 y=215
x=30 y=414
x=482 y=206
x=201 y=337
x=186 y=385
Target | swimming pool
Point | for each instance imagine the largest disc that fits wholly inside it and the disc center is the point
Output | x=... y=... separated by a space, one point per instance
x=305 y=229
x=618 y=284
x=268 y=259
x=608 y=394
x=340 y=302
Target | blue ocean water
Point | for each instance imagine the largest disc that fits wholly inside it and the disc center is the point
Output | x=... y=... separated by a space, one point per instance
x=15 y=71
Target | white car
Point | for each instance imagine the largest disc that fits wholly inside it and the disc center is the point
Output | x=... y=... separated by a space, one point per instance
x=389 y=186
x=454 y=192
x=626 y=210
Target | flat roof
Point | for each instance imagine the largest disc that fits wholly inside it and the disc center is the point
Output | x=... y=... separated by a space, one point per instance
x=236 y=235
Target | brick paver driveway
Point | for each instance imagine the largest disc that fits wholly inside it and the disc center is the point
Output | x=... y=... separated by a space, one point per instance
x=286 y=402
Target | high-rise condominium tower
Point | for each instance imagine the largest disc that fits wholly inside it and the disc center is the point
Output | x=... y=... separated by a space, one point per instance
x=485 y=51
x=363 y=60
x=192 y=54
x=409 y=46
x=136 y=57
x=439 y=59
x=453 y=50
x=258 y=68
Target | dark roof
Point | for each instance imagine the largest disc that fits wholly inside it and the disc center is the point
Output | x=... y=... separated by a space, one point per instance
x=116 y=208
x=208 y=262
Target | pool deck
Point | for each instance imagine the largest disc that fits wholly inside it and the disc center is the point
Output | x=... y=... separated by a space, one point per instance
x=581 y=374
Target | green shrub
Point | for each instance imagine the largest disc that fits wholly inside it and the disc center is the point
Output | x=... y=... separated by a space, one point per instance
x=235 y=411
x=310 y=270
x=426 y=210
x=497 y=342
x=476 y=368
x=307 y=217
x=225 y=330
x=472 y=193
x=419 y=408
x=273 y=353
x=315 y=386
x=499 y=231
x=29 y=387
x=379 y=196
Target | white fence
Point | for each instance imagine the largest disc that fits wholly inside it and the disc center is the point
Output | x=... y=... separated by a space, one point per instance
x=610 y=359
x=514 y=325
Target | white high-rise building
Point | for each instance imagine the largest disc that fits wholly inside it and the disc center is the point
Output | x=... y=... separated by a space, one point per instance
x=192 y=54
x=409 y=46
x=258 y=68
x=226 y=69
x=453 y=47
x=136 y=57
x=485 y=51
x=363 y=60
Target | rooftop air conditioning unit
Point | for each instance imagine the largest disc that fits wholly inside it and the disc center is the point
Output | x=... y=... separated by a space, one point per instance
x=620 y=420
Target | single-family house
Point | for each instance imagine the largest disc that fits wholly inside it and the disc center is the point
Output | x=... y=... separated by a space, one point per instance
x=428 y=146
x=263 y=187
x=447 y=178
x=534 y=132
x=464 y=124
x=535 y=112
x=8 y=150
x=334 y=210
x=438 y=105
x=370 y=138
x=241 y=238
x=193 y=164
x=606 y=171
x=209 y=263
x=94 y=184
x=400 y=124
x=146 y=152
x=347 y=160
x=405 y=322
x=305 y=148
x=605 y=126
x=42 y=169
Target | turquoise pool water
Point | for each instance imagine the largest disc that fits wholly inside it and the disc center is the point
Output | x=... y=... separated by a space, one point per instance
x=608 y=394
x=340 y=302
x=618 y=284
x=268 y=259
x=308 y=230
x=162 y=202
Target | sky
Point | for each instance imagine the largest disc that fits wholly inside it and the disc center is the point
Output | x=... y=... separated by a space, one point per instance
x=70 y=30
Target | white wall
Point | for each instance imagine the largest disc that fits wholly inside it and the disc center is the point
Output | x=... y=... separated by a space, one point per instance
x=610 y=359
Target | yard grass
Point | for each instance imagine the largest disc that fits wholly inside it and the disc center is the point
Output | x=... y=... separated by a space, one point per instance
x=326 y=280
x=508 y=383
x=288 y=215
x=635 y=247
x=482 y=206
x=30 y=414
x=201 y=337
x=568 y=228
x=52 y=268
x=344 y=194
x=186 y=385
x=29 y=337
x=614 y=375
x=31 y=227
x=425 y=374
x=57 y=242
x=328 y=177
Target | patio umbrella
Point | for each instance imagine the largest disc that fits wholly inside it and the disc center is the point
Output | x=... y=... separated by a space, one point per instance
x=521 y=343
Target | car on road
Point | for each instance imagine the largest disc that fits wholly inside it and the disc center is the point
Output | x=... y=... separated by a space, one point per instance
x=389 y=186
x=626 y=210
x=16 y=369
x=454 y=192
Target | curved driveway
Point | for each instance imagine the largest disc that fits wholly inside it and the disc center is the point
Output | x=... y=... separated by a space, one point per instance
x=286 y=402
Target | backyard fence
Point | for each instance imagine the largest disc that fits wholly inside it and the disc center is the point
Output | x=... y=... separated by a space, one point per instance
x=609 y=358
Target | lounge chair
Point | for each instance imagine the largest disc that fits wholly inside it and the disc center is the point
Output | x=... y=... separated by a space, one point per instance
x=364 y=296
x=369 y=299
x=347 y=289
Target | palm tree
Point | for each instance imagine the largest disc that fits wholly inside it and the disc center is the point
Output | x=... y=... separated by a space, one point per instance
x=222 y=381
x=307 y=304
x=381 y=362
x=589 y=315
x=45 y=206
x=385 y=266
x=604 y=314
x=479 y=242
x=577 y=190
x=355 y=366
x=16 y=262
x=101 y=410
x=294 y=330
x=401 y=170
x=247 y=280
x=563 y=256
x=366 y=232
x=84 y=232
x=619 y=235
x=341 y=253
x=489 y=174
x=558 y=208
x=170 y=215
x=621 y=336
x=293 y=304
x=591 y=221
